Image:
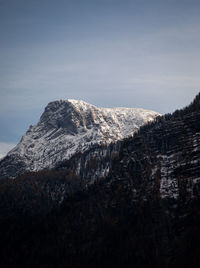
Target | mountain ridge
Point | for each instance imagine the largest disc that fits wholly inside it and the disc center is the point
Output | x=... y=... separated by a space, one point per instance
x=67 y=127
x=133 y=203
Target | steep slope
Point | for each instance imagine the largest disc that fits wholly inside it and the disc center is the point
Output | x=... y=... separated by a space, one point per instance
x=67 y=127
x=163 y=156
x=142 y=208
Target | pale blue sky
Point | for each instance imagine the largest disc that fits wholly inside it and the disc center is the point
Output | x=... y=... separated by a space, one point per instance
x=106 y=52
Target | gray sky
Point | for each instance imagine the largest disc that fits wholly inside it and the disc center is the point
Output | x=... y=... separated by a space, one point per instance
x=106 y=52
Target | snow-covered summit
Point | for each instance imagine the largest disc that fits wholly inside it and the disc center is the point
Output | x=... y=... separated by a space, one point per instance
x=67 y=127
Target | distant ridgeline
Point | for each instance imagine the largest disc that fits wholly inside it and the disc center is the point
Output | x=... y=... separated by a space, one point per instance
x=130 y=203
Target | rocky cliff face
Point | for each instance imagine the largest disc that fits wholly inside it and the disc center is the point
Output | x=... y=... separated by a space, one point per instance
x=163 y=157
x=134 y=203
x=67 y=127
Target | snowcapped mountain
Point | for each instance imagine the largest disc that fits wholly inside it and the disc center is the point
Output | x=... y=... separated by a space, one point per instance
x=67 y=127
x=135 y=202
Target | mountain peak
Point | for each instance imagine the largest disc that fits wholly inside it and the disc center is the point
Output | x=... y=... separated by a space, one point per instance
x=67 y=127
x=78 y=102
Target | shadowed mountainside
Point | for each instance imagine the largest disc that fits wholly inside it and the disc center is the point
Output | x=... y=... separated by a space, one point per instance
x=134 y=203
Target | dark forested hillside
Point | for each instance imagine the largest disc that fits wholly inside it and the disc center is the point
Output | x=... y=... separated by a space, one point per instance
x=135 y=203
